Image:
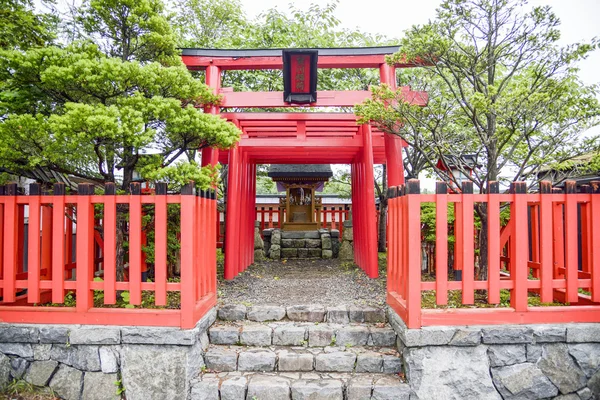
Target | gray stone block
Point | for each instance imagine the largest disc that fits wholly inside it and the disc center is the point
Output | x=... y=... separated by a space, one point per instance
x=23 y=350
x=326 y=254
x=507 y=335
x=276 y=237
x=313 y=243
x=534 y=352
x=369 y=362
x=289 y=335
x=388 y=388
x=320 y=335
x=286 y=243
x=41 y=352
x=82 y=357
x=19 y=334
x=293 y=361
x=224 y=334
x=256 y=335
x=54 y=334
x=326 y=242
x=298 y=243
x=66 y=383
x=348 y=234
x=583 y=333
x=266 y=313
x=205 y=322
x=572 y=396
x=587 y=356
x=5 y=370
x=359 y=388
x=314 y=253
x=383 y=337
x=341 y=361
x=275 y=252
x=346 y=252
x=268 y=387
x=374 y=315
x=289 y=253
x=335 y=234
x=312 y=235
x=356 y=314
x=549 y=333
x=232 y=312
x=292 y=234
x=222 y=360
x=338 y=315
x=256 y=360
x=391 y=364
x=234 y=388
x=308 y=312
x=585 y=394
x=508 y=354
x=523 y=381
x=99 y=386
x=18 y=367
x=40 y=372
x=561 y=369
x=158 y=335
x=95 y=335
x=109 y=360
x=205 y=390
x=352 y=336
x=302 y=253
x=466 y=337
x=322 y=389
x=432 y=371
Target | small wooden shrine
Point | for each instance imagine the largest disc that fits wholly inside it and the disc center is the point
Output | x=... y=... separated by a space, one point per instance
x=300 y=209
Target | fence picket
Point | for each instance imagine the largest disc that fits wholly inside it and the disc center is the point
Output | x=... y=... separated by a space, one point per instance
x=493 y=211
x=135 y=244
x=188 y=276
x=571 y=248
x=546 y=253
x=85 y=246
x=11 y=211
x=595 y=234
x=519 y=248
x=58 y=237
x=109 y=226
x=468 y=243
x=33 y=265
x=441 y=243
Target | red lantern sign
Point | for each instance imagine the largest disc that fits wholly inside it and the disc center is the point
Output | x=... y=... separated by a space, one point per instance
x=300 y=76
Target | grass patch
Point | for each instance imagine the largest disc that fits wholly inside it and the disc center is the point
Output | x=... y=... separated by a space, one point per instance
x=19 y=389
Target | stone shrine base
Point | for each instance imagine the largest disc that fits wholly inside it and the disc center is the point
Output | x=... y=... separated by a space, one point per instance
x=322 y=243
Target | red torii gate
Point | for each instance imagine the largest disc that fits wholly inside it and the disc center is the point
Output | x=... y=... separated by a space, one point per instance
x=300 y=138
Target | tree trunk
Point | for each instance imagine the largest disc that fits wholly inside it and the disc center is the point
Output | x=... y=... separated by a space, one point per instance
x=382 y=228
x=481 y=272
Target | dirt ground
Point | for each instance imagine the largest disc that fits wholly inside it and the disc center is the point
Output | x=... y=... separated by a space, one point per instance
x=303 y=281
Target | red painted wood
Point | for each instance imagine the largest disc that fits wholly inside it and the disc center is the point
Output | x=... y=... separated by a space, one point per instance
x=231 y=222
x=468 y=251
x=519 y=252
x=20 y=238
x=371 y=243
x=571 y=247
x=33 y=259
x=47 y=245
x=58 y=255
x=595 y=237
x=85 y=250
x=135 y=249
x=109 y=224
x=413 y=250
x=493 y=249
x=10 y=263
x=545 y=229
x=558 y=235
x=441 y=249
x=1 y=236
x=188 y=276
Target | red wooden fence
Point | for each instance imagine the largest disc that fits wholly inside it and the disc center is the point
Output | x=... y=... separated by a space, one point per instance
x=51 y=273
x=550 y=270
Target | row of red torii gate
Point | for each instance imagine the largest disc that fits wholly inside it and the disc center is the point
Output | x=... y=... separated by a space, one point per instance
x=300 y=137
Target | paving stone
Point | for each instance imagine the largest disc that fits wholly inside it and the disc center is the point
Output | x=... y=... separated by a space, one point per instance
x=583 y=333
x=342 y=361
x=391 y=364
x=256 y=360
x=308 y=312
x=292 y=361
x=359 y=388
x=66 y=383
x=356 y=314
x=234 y=388
x=523 y=381
x=383 y=337
x=352 y=336
x=95 y=335
x=232 y=312
x=224 y=334
x=369 y=362
x=509 y=354
x=256 y=335
x=374 y=315
x=266 y=313
x=290 y=375
x=322 y=389
x=311 y=375
x=205 y=390
x=99 y=386
x=218 y=359
x=109 y=360
x=388 y=388
x=268 y=387
x=40 y=372
x=338 y=315
x=289 y=335
x=507 y=335
x=320 y=335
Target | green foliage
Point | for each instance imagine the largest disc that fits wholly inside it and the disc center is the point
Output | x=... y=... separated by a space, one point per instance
x=24 y=389
x=21 y=27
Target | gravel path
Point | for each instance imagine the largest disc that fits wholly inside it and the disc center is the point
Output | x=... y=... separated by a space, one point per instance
x=324 y=282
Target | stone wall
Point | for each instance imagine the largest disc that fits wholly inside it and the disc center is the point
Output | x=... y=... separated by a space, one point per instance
x=560 y=361
x=346 y=252
x=92 y=362
x=322 y=243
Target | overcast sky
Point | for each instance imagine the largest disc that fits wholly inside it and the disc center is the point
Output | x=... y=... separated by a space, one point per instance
x=392 y=17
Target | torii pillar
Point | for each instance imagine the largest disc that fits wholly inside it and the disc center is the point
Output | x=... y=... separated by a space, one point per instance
x=210 y=155
x=393 y=143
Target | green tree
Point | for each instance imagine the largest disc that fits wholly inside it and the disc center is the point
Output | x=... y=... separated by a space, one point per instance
x=511 y=95
x=21 y=27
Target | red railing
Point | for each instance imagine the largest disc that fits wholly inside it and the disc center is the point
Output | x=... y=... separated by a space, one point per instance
x=333 y=218
x=37 y=293
x=540 y=258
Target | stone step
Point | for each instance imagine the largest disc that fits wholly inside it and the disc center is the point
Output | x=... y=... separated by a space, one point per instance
x=299 y=386
x=303 y=313
x=303 y=359
x=301 y=334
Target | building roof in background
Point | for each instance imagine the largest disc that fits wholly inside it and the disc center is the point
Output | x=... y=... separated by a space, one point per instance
x=449 y=161
x=326 y=199
x=341 y=51
x=300 y=171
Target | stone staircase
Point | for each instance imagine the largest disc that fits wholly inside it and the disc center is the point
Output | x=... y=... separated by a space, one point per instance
x=301 y=352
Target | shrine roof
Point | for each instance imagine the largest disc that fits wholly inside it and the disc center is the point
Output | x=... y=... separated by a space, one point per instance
x=300 y=171
x=341 y=51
